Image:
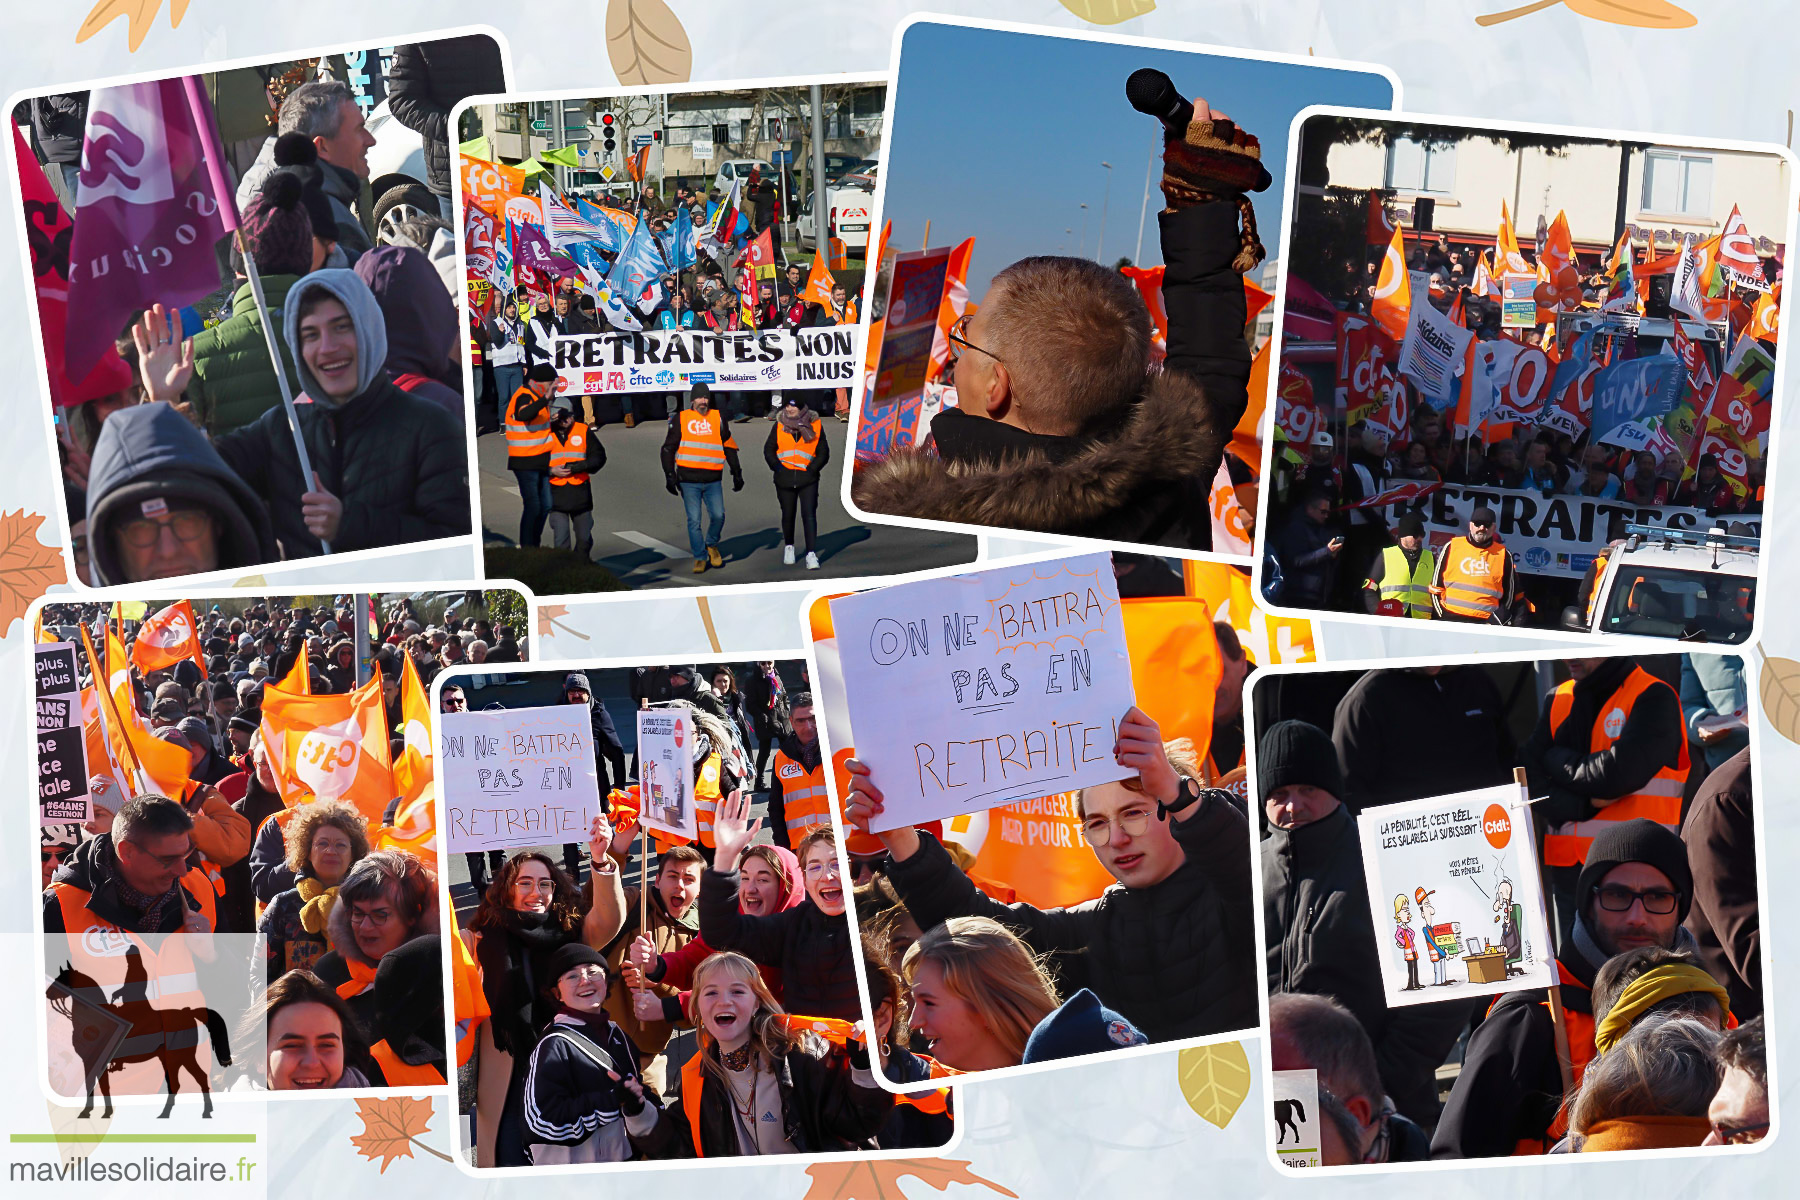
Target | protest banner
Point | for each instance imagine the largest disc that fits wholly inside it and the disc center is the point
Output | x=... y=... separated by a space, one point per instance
x=1548 y=535
x=1432 y=352
x=977 y=690
x=1295 y=1098
x=672 y=359
x=1455 y=896
x=61 y=740
x=517 y=777
x=665 y=765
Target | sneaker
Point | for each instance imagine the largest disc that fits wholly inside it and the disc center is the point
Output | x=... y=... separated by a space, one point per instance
x=712 y=556
x=699 y=566
x=630 y=421
x=787 y=556
x=812 y=561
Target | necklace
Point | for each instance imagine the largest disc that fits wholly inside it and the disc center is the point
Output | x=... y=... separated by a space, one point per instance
x=736 y=1060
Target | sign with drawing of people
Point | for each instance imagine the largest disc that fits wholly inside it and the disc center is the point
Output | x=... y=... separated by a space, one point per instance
x=1455 y=895
x=666 y=771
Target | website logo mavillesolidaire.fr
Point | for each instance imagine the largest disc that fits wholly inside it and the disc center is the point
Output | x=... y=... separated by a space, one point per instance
x=132 y=1165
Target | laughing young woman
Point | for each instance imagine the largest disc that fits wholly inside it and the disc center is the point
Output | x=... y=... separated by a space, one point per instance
x=977 y=992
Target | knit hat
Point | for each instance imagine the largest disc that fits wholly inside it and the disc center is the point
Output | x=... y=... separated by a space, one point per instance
x=1637 y=841
x=567 y=958
x=196 y=732
x=277 y=228
x=576 y=681
x=1082 y=1025
x=1295 y=752
x=541 y=373
x=296 y=154
x=242 y=721
x=1409 y=526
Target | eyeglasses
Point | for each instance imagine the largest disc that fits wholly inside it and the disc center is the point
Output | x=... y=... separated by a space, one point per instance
x=1740 y=1135
x=167 y=862
x=1657 y=901
x=1098 y=830
x=189 y=524
x=958 y=335
x=819 y=870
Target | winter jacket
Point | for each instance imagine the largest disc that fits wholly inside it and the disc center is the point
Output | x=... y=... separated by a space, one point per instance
x=221 y=833
x=1713 y=685
x=150 y=451
x=94 y=868
x=426 y=79
x=666 y=934
x=420 y=320
x=1176 y=959
x=333 y=966
x=768 y=704
x=1719 y=832
x=269 y=873
x=59 y=124
x=908 y=1127
x=233 y=381
x=818 y=973
x=1402 y=734
x=1561 y=768
x=1320 y=942
x=397 y=462
x=672 y=443
x=286 y=943
x=579 y=497
x=786 y=477
x=568 y=1094
x=1307 y=564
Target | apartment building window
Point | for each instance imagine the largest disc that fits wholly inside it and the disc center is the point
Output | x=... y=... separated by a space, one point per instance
x=1678 y=183
x=721 y=133
x=508 y=119
x=1421 y=166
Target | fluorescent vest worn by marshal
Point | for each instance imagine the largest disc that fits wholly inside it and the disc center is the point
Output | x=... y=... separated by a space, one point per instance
x=526 y=439
x=793 y=453
x=1411 y=588
x=569 y=452
x=1659 y=800
x=803 y=800
x=1474 y=579
x=703 y=445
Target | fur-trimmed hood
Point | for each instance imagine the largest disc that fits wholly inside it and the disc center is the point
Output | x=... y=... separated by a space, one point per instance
x=337 y=930
x=1144 y=481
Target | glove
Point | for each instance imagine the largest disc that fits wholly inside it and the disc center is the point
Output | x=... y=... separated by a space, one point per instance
x=1215 y=161
x=673 y=490
x=737 y=483
x=859 y=1054
x=630 y=1103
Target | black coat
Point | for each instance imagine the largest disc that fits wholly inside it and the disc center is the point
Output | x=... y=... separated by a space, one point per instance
x=1320 y=941
x=818 y=973
x=1308 y=566
x=399 y=464
x=787 y=477
x=59 y=124
x=425 y=81
x=1403 y=735
x=768 y=707
x=1720 y=833
x=1561 y=767
x=1176 y=959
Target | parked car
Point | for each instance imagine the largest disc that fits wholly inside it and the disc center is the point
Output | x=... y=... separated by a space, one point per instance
x=852 y=210
x=738 y=169
x=396 y=174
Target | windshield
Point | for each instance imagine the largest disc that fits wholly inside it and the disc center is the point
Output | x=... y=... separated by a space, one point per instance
x=1672 y=603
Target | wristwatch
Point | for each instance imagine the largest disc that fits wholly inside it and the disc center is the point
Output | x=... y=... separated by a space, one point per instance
x=1187 y=793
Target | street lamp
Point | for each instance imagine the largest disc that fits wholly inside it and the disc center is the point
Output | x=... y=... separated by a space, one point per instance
x=1084 y=231
x=1106 y=198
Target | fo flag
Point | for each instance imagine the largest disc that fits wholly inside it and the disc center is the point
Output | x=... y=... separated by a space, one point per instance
x=146 y=220
x=167 y=638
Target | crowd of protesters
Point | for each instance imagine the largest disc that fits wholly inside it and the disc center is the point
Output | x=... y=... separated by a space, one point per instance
x=1644 y=816
x=189 y=464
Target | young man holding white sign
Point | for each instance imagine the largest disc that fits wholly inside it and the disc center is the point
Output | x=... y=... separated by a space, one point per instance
x=1170 y=947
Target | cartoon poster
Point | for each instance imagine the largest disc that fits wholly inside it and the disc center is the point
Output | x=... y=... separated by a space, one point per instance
x=666 y=771
x=1455 y=894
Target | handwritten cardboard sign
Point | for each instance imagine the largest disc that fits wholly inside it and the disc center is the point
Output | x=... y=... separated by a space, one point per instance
x=1454 y=891
x=976 y=690
x=517 y=777
x=666 y=771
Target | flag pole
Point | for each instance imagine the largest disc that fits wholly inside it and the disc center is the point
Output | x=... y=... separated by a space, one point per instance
x=227 y=201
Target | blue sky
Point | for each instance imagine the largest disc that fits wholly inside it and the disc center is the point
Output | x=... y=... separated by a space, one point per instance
x=1000 y=135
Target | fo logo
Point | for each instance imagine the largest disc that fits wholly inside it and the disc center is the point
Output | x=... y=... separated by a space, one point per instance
x=1496 y=824
x=1614 y=722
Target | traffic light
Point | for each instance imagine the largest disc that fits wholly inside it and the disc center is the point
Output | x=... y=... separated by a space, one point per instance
x=656 y=135
x=609 y=132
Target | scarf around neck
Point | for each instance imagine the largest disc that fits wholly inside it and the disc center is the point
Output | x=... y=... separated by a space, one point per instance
x=800 y=425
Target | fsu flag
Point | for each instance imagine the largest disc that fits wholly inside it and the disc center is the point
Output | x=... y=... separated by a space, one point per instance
x=330 y=748
x=146 y=220
x=166 y=638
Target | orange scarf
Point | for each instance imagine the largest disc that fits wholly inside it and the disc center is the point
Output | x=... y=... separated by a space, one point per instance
x=361 y=979
x=1646 y=1133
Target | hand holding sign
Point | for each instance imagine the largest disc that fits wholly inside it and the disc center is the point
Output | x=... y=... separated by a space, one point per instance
x=600 y=835
x=1140 y=747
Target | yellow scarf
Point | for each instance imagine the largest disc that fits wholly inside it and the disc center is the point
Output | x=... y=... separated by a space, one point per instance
x=317 y=899
x=1652 y=988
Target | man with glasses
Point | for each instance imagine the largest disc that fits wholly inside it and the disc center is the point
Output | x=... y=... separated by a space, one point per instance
x=1476 y=580
x=1171 y=945
x=1635 y=889
x=138 y=877
x=797 y=803
x=1740 y=1108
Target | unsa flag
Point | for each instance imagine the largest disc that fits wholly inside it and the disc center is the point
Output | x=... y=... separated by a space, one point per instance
x=330 y=748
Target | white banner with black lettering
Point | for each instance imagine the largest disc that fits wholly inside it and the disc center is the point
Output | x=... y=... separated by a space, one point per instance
x=670 y=360
x=1547 y=535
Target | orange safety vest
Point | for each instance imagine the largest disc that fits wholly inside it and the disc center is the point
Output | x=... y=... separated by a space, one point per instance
x=839 y=1032
x=793 y=453
x=404 y=1074
x=526 y=439
x=1659 y=800
x=1474 y=578
x=706 y=799
x=570 y=453
x=848 y=316
x=803 y=799
x=1599 y=577
x=1580 y=1027
x=703 y=445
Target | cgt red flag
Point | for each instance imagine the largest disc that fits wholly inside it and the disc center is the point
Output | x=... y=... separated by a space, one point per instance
x=1412 y=489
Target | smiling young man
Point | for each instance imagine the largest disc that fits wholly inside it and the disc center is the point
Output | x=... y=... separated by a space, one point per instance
x=1170 y=946
x=672 y=925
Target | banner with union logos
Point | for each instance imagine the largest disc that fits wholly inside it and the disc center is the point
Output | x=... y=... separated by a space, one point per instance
x=671 y=360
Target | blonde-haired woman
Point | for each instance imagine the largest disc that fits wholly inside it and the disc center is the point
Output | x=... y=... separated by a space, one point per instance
x=323 y=840
x=977 y=993
x=756 y=1086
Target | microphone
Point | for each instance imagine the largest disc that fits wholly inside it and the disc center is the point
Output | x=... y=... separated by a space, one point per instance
x=1153 y=93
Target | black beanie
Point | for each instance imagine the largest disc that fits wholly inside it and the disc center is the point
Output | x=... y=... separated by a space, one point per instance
x=1295 y=752
x=567 y=958
x=295 y=154
x=277 y=229
x=541 y=373
x=1636 y=841
x=1410 y=526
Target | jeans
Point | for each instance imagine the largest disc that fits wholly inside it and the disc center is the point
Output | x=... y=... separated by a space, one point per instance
x=534 y=491
x=508 y=378
x=807 y=499
x=445 y=210
x=712 y=495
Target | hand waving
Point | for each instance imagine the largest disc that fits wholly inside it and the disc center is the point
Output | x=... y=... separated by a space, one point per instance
x=165 y=361
x=734 y=829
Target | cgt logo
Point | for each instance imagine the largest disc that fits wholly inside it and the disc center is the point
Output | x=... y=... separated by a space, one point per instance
x=1496 y=826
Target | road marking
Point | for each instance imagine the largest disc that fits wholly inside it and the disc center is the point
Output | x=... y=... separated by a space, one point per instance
x=650 y=543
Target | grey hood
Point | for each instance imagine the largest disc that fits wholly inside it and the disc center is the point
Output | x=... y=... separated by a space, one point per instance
x=365 y=314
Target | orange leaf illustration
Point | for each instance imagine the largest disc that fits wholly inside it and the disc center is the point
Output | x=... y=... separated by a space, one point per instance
x=547 y=615
x=881 y=1180
x=28 y=568
x=391 y=1128
x=138 y=14
x=647 y=43
x=1643 y=14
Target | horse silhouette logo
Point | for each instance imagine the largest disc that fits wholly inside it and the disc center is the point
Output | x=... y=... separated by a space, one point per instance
x=1288 y=1115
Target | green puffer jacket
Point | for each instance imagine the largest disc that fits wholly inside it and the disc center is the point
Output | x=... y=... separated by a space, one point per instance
x=233 y=382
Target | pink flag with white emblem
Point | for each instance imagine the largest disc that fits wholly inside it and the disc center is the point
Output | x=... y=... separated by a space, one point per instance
x=146 y=218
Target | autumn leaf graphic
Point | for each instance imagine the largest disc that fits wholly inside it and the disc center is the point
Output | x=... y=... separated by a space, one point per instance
x=1108 y=12
x=1215 y=1080
x=646 y=43
x=28 y=568
x=1781 y=694
x=391 y=1128
x=547 y=615
x=881 y=1180
x=138 y=14
x=1642 y=14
